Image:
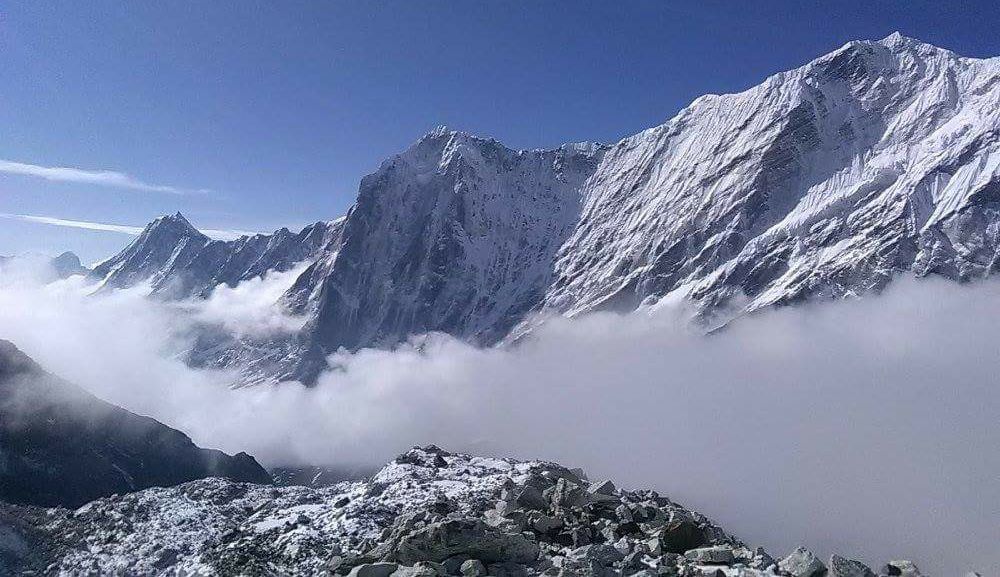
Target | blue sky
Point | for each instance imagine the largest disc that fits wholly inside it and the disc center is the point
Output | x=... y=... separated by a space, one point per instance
x=252 y=115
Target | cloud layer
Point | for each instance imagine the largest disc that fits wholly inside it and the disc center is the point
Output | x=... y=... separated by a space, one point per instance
x=866 y=428
x=82 y=176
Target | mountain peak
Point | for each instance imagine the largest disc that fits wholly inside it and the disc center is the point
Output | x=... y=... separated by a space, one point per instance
x=895 y=38
x=898 y=41
x=175 y=223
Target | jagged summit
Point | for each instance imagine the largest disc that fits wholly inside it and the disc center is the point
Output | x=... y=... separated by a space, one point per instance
x=175 y=223
x=179 y=261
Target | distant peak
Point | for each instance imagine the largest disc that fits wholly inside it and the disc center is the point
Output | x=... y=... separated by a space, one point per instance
x=896 y=39
x=176 y=223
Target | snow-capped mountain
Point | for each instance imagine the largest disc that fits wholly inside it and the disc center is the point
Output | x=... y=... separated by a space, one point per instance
x=179 y=261
x=429 y=513
x=878 y=159
x=60 y=445
x=457 y=234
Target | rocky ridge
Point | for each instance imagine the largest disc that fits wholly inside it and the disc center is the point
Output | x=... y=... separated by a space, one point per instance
x=60 y=445
x=178 y=261
x=428 y=513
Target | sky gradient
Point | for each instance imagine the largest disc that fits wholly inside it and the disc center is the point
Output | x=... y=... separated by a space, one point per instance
x=249 y=116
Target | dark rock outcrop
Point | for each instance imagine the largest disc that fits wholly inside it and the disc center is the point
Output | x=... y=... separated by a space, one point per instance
x=60 y=445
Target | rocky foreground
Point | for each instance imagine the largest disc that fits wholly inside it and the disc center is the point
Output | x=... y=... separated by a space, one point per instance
x=428 y=513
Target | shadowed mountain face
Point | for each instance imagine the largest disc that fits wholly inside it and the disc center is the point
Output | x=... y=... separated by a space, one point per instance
x=60 y=445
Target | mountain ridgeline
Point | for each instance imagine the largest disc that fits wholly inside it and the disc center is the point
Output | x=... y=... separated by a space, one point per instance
x=878 y=159
x=60 y=445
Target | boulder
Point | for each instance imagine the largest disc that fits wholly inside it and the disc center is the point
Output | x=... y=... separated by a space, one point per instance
x=507 y=570
x=901 y=568
x=529 y=497
x=419 y=570
x=547 y=524
x=802 y=563
x=841 y=567
x=373 y=570
x=565 y=494
x=718 y=555
x=681 y=536
x=602 y=555
x=761 y=560
x=451 y=537
x=473 y=568
x=603 y=488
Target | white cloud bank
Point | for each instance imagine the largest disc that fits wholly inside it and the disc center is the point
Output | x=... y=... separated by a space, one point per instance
x=866 y=428
x=99 y=177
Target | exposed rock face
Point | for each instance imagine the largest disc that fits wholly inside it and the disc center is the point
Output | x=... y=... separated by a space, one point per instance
x=179 y=261
x=878 y=159
x=457 y=234
x=59 y=445
x=429 y=513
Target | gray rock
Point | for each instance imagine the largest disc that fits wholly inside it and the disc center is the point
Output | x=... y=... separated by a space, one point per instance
x=507 y=570
x=633 y=562
x=603 y=488
x=603 y=555
x=374 y=570
x=419 y=570
x=718 y=555
x=471 y=537
x=802 y=563
x=566 y=494
x=841 y=567
x=761 y=560
x=901 y=568
x=655 y=546
x=473 y=568
x=547 y=524
x=453 y=565
x=681 y=536
x=624 y=514
x=530 y=497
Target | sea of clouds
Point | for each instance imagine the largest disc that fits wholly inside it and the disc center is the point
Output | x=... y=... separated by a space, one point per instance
x=867 y=427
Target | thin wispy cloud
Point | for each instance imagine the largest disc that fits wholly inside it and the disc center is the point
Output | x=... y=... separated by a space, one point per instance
x=119 y=228
x=99 y=177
